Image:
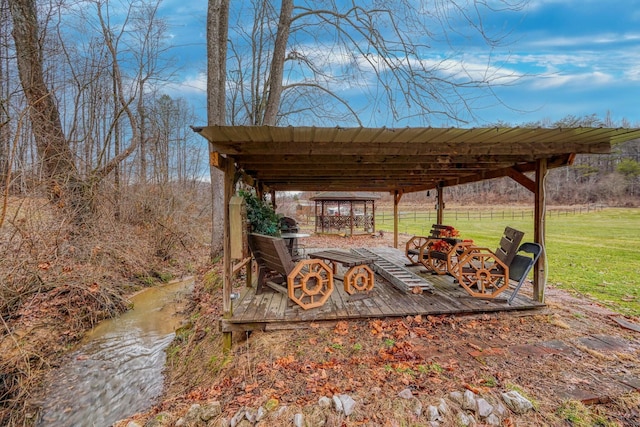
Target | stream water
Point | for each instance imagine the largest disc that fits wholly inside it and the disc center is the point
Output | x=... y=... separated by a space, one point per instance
x=116 y=370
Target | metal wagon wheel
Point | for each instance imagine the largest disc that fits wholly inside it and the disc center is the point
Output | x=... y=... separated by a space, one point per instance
x=310 y=283
x=482 y=274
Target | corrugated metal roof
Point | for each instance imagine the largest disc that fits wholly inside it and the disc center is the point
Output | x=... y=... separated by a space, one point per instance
x=406 y=159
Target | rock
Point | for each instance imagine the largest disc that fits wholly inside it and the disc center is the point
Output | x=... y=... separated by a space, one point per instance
x=260 y=413
x=463 y=419
x=456 y=396
x=324 y=402
x=250 y=415
x=484 y=408
x=222 y=422
x=348 y=404
x=434 y=424
x=180 y=423
x=210 y=410
x=493 y=420
x=469 y=400
x=516 y=402
x=135 y=424
x=298 y=420
x=500 y=410
x=161 y=419
x=192 y=417
x=281 y=411
x=433 y=414
x=443 y=408
x=193 y=414
x=337 y=403
x=239 y=416
x=406 y=394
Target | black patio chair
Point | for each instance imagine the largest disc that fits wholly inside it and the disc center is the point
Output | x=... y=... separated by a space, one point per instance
x=522 y=264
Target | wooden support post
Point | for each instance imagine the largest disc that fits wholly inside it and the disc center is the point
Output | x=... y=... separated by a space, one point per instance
x=273 y=199
x=373 y=215
x=397 y=195
x=539 y=231
x=227 y=273
x=440 y=207
x=352 y=216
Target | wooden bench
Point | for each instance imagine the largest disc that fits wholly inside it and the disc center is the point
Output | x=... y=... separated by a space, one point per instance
x=309 y=282
x=359 y=276
x=484 y=273
x=417 y=247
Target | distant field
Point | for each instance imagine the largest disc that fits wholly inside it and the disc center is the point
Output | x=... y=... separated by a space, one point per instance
x=592 y=252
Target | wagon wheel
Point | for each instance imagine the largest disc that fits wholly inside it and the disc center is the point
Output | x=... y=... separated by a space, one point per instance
x=310 y=283
x=358 y=279
x=436 y=264
x=453 y=257
x=412 y=249
x=482 y=274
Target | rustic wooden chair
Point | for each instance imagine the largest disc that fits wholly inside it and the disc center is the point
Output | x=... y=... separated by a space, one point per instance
x=417 y=247
x=309 y=282
x=484 y=273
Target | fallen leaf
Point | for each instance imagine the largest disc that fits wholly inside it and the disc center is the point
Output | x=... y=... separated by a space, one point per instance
x=342 y=328
x=250 y=387
x=475 y=390
x=476 y=347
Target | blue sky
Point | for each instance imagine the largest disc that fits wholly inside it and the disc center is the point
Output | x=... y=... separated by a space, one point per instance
x=570 y=57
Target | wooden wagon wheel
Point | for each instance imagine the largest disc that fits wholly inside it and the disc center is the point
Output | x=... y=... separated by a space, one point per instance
x=436 y=264
x=482 y=274
x=413 y=249
x=359 y=278
x=310 y=283
x=437 y=253
x=453 y=257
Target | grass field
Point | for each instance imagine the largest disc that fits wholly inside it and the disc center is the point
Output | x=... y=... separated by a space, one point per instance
x=595 y=253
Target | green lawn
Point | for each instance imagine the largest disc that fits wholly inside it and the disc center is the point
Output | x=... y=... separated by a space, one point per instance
x=595 y=253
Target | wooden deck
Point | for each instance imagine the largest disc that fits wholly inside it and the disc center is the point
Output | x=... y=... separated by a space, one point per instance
x=272 y=310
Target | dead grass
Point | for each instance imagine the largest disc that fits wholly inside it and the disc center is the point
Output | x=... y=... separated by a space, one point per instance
x=372 y=361
x=59 y=280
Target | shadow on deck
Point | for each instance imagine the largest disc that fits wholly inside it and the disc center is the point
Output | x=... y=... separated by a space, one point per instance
x=272 y=310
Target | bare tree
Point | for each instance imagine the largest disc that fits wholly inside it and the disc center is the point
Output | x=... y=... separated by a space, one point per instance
x=51 y=142
x=320 y=53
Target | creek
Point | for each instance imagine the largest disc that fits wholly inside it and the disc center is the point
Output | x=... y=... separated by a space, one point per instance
x=116 y=371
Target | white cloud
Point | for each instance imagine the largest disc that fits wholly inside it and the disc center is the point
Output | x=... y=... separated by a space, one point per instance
x=552 y=81
x=190 y=85
x=593 y=40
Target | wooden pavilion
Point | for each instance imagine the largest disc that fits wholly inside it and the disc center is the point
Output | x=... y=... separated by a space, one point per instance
x=350 y=212
x=398 y=161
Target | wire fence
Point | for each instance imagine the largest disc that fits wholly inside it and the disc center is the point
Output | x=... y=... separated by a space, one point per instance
x=482 y=214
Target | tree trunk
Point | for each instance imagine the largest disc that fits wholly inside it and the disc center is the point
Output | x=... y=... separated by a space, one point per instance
x=277 y=64
x=217 y=28
x=53 y=148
